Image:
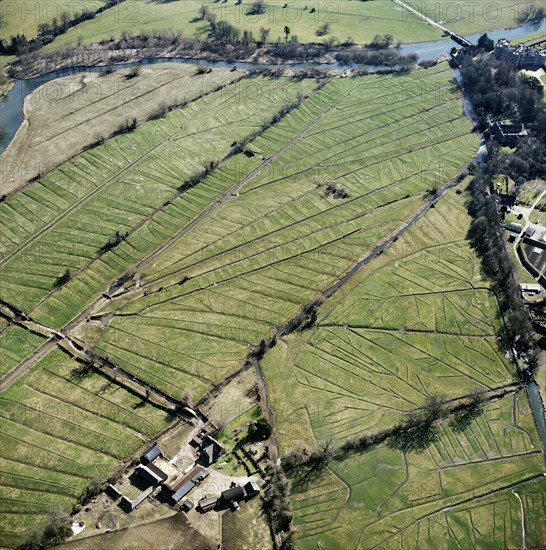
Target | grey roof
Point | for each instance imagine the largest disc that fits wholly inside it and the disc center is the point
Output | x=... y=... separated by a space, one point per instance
x=183 y=490
x=233 y=494
x=206 y=502
x=251 y=488
x=151 y=454
x=211 y=450
x=152 y=473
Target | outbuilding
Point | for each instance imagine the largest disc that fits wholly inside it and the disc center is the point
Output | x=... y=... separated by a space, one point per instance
x=150 y=455
x=234 y=494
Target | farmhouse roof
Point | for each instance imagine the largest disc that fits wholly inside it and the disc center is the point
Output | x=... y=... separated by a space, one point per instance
x=151 y=473
x=211 y=450
x=150 y=455
x=207 y=503
x=233 y=494
x=251 y=489
x=513 y=226
x=184 y=485
x=530 y=287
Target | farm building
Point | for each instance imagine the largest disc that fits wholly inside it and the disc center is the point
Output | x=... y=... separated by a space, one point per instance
x=151 y=473
x=128 y=505
x=515 y=227
x=520 y=55
x=507 y=134
x=188 y=505
x=206 y=504
x=183 y=485
x=251 y=489
x=113 y=492
x=150 y=455
x=531 y=288
x=234 y=494
x=210 y=451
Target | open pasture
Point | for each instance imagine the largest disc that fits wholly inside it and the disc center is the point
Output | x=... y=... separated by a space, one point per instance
x=68 y=114
x=218 y=288
x=77 y=213
x=417 y=321
x=24 y=16
x=63 y=426
x=16 y=344
x=459 y=493
x=360 y=21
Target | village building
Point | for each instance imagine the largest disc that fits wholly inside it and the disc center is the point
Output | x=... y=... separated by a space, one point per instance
x=251 y=489
x=233 y=494
x=210 y=450
x=151 y=473
x=515 y=227
x=206 y=504
x=531 y=288
x=507 y=135
x=520 y=55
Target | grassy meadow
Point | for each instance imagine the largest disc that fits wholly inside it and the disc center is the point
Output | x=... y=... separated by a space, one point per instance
x=67 y=114
x=347 y=18
x=221 y=285
x=418 y=321
x=65 y=219
x=216 y=266
x=24 y=16
x=462 y=492
x=63 y=426
x=354 y=19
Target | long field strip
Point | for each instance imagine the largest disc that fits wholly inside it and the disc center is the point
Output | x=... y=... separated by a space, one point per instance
x=69 y=113
x=24 y=16
x=64 y=220
x=62 y=426
x=354 y=19
x=459 y=493
x=16 y=344
x=282 y=238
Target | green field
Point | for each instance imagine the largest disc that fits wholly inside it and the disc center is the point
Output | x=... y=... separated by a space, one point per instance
x=347 y=18
x=211 y=266
x=354 y=19
x=16 y=344
x=281 y=239
x=466 y=18
x=56 y=223
x=457 y=494
x=61 y=427
x=419 y=321
x=24 y=16
x=70 y=113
